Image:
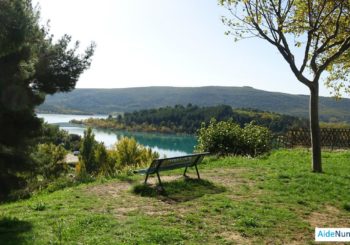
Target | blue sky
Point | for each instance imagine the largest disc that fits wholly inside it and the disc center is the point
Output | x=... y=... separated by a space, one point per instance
x=166 y=43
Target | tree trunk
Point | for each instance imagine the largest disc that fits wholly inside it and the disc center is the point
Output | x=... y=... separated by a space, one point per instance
x=315 y=129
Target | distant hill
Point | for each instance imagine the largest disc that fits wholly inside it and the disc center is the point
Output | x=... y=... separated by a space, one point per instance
x=107 y=101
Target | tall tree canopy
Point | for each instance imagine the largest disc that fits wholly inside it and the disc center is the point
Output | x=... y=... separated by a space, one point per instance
x=31 y=66
x=320 y=28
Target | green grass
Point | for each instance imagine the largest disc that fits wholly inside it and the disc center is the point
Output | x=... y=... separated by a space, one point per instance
x=274 y=199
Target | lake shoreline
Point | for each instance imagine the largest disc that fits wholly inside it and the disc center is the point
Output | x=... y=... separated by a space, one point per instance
x=166 y=144
x=80 y=113
x=134 y=130
x=143 y=128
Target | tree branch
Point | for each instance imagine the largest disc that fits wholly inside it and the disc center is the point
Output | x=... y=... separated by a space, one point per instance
x=334 y=35
x=307 y=49
x=315 y=55
x=341 y=50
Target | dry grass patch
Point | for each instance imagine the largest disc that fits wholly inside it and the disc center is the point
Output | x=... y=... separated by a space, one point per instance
x=232 y=237
x=116 y=199
x=109 y=190
x=329 y=217
x=228 y=177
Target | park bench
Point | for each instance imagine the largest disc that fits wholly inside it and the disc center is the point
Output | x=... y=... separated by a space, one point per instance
x=165 y=164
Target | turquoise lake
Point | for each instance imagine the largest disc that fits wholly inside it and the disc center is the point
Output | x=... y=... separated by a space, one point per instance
x=166 y=144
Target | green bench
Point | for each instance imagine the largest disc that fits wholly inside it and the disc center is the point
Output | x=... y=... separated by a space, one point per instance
x=165 y=164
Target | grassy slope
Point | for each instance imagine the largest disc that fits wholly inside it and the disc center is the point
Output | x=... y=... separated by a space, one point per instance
x=275 y=199
x=129 y=99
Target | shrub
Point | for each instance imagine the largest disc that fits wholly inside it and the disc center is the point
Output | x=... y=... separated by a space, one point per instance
x=104 y=162
x=94 y=158
x=49 y=160
x=222 y=138
x=80 y=170
x=128 y=152
x=227 y=137
x=257 y=139
x=87 y=154
x=53 y=134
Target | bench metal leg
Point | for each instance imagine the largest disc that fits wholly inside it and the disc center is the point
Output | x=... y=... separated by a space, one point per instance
x=160 y=182
x=197 y=171
x=146 y=179
x=185 y=172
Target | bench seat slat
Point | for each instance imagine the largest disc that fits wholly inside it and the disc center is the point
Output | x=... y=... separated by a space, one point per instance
x=142 y=171
x=163 y=168
x=170 y=167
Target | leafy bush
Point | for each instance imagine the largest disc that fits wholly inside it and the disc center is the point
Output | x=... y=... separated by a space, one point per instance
x=104 y=161
x=128 y=152
x=53 y=134
x=257 y=139
x=227 y=137
x=222 y=137
x=49 y=160
x=94 y=158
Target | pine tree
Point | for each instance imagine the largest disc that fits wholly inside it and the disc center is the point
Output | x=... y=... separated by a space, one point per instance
x=31 y=66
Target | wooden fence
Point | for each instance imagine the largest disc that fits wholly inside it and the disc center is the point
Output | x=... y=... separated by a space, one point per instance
x=330 y=138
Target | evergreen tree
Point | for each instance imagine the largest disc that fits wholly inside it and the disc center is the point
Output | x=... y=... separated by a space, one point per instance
x=87 y=151
x=31 y=66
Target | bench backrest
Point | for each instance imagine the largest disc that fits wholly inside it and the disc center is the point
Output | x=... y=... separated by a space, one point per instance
x=175 y=162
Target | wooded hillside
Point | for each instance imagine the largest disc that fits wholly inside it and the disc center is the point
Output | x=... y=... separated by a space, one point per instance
x=107 y=101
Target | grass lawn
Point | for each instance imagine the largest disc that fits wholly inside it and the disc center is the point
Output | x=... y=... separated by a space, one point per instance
x=271 y=200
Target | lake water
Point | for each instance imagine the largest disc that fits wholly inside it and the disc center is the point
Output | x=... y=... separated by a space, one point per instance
x=165 y=144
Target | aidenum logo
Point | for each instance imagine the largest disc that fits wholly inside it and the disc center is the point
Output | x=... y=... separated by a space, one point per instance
x=332 y=234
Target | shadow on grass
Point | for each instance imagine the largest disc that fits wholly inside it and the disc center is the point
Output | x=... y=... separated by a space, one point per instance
x=12 y=230
x=179 y=191
x=126 y=178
